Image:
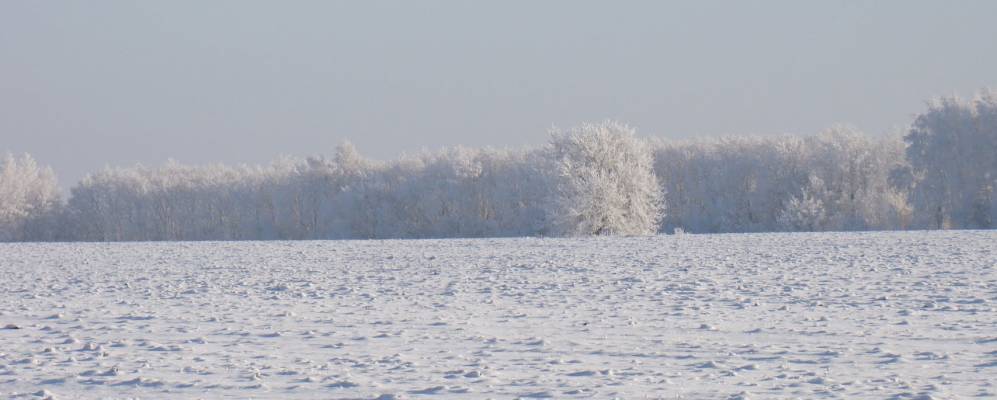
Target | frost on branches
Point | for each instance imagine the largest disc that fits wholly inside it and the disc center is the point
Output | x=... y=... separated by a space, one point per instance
x=952 y=150
x=28 y=196
x=603 y=182
x=595 y=179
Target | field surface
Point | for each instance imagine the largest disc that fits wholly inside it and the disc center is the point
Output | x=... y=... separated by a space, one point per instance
x=857 y=315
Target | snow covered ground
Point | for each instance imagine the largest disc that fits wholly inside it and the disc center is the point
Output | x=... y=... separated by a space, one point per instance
x=856 y=315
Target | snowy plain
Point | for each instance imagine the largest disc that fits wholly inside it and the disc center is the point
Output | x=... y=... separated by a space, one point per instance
x=807 y=315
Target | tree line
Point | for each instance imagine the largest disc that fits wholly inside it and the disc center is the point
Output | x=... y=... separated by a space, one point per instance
x=594 y=179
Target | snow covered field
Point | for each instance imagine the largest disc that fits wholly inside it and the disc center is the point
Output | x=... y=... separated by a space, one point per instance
x=857 y=315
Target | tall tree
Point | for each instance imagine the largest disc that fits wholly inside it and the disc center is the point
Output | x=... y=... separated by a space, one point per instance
x=603 y=182
x=29 y=199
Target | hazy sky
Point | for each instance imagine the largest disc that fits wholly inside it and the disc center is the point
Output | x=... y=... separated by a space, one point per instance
x=84 y=84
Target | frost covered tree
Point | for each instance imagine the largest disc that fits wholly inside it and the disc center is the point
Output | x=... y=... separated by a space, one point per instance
x=853 y=172
x=805 y=212
x=29 y=199
x=603 y=182
x=594 y=179
x=836 y=180
x=454 y=192
x=952 y=151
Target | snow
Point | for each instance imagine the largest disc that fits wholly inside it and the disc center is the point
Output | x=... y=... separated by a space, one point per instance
x=842 y=315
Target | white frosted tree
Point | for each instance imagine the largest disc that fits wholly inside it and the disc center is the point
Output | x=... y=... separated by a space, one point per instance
x=596 y=179
x=729 y=184
x=854 y=171
x=29 y=197
x=750 y=184
x=805 y=212
x=603 y=182
x=952 y=151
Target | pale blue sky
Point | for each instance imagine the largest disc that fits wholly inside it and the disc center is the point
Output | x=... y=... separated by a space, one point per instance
x=89 y=83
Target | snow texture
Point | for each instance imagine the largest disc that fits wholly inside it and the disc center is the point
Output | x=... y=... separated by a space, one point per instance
x=819 y=315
